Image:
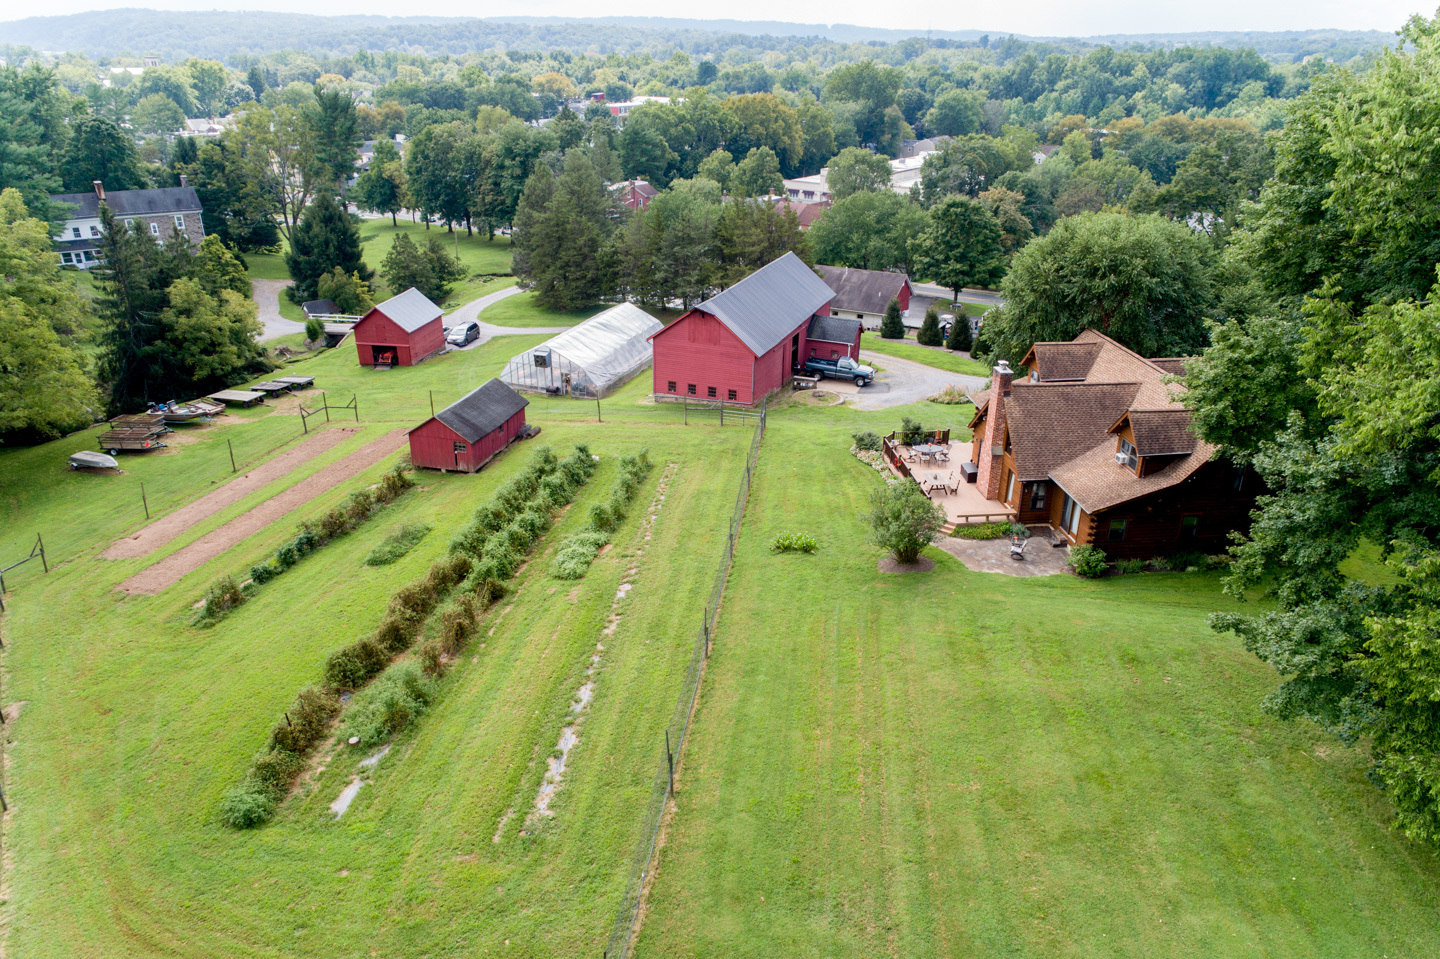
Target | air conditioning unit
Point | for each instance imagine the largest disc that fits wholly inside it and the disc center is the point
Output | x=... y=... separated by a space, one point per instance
x=1122 y=459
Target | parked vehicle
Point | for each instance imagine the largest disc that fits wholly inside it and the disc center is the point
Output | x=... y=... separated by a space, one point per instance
x=842 y=369
x=463 y=333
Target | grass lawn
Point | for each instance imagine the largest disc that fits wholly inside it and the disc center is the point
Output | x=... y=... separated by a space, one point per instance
x=521 y=310
x=967 y=764
x=908 y=349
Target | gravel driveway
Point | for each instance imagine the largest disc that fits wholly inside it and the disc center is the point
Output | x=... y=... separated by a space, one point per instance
x=903 y=382
x=267 y=297
x=472 y=310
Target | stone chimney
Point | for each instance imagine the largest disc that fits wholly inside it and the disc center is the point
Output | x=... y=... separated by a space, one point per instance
x=99 y=189
x=992 y=447
x=184 y=180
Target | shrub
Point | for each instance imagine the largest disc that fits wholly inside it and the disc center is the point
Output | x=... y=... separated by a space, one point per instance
x=893 y=326
x=1088 y=561
x=576 y=553
x=959 y=332
x=490 y=591
x=903 y=520
x=500 y=560
x=431 y=656
x=286 y=556
x=1128 y=566
x=386 y=706
x=793 y=543
x=314 y=329
x=397 y=544
x=557 y=490
x=393 y=483
x=1191 y=561
x=333 y=524
x=470 y=540
x=1161 y=564
x=274 y=770
x=867 y=441
x=601 y=518
x=445 y=573
x=911 y=431
x=359 y=506
x=246 y=806
x=351 y=667
x=982 y=531
x=457 y=625
x=1017 y=529
x=224 y=595
x=949 y=395
x=311 y=713
x=394 y=635
x=262 y=573
x=413 y=603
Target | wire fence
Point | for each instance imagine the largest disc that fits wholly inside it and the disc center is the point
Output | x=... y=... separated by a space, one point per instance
x=622 y=935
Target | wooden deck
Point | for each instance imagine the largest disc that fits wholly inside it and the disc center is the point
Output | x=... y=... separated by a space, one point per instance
x=944 y=483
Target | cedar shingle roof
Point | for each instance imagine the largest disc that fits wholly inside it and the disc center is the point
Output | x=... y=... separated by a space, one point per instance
x=1062 y=361
x=482 y=410
x=862 y=291
x=1094 y=479
x=1053 y=423
x=1160 y=432
x=832 y=329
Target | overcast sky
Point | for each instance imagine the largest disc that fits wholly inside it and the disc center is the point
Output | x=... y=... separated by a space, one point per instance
x=1032 y=17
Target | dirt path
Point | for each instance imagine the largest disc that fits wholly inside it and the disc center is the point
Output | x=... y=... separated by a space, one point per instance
x=212 y=544
x=167 y=527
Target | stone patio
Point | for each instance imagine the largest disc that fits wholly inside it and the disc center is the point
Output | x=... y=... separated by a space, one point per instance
x=993 y=555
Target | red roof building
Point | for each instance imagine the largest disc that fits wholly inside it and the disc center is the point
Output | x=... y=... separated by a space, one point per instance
x=742 y=343
x=864 y=294
x=805 y=213
x=470 y=432
x=636 y=194
x=402 y=331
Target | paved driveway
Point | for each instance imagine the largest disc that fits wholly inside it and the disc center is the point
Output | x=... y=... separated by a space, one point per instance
x=473 y=309
x=267 y=296
x=901 y=383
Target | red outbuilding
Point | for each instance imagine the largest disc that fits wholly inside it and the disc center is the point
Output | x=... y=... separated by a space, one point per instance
x=402 y=331
x=744 y=342
x=830 y=337
x=465 y=435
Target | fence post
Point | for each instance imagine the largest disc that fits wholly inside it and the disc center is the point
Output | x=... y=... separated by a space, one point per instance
x=722 y=412
x=324 y=399
x=597 y=410
x=304 y=420
x=43 y=562
x=143 y=502
x=355 y=402
x=231 y=447
x=670 y=758
x=686 y=400
x=432 y=401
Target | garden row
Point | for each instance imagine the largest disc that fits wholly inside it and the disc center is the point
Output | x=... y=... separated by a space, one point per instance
x=577 y=552
x=481 y=559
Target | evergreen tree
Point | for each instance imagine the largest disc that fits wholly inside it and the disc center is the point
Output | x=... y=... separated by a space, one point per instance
x=893 y=326
x=751 y=233
x=324 y=238
x=959 y=332
x=255 y=80
x=100 y=150
x=217 y=269
x=336 y=129
x=562 y=228
x=236 y=208
x=929 y=332
x=406 y=266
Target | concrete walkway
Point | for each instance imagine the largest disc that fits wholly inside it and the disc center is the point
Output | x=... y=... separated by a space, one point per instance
x=473 y=309
x=267 y=296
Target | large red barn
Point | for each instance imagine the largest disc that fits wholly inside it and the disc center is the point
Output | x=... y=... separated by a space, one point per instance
x=744 y=342
x=402 y=331
x=465 y=435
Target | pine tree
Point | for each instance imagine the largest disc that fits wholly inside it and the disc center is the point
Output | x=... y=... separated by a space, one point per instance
x=562 y=228
x=406 y=265
x=929 y=332
x=959 y=332
x=324 y=238
x=893 y=326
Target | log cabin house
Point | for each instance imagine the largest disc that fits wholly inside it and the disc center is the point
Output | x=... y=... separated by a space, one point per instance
x=1095 y=443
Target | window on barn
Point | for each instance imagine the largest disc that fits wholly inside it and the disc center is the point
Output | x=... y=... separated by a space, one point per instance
x=690 y=388
x=710 y=392
x=1117 y=530
x=731 y=394
x=671 y=386
x=460 y=447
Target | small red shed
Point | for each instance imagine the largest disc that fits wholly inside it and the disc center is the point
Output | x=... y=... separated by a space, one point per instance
x=402 y=331
x=745 y=341
x=465 y=435
x=830 y=337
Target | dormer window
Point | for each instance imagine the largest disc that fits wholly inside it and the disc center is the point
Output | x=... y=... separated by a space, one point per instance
x=1127 y=457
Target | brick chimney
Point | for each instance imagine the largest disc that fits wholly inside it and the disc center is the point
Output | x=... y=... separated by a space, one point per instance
x=992 y=446
x=99 y=189
x=184 y=180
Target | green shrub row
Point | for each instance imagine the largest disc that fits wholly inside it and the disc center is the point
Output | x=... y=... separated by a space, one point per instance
x=789 y=542
x=357 y=508
x=496 y=539
x=576 y=553
x=397 y=544
x=982 y=531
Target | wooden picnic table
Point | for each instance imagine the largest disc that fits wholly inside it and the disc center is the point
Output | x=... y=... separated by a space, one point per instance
x=243 y=397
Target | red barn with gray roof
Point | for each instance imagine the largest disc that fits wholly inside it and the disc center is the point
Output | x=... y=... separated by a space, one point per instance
x=467 y=434
x=744 y=342
x=403 y=330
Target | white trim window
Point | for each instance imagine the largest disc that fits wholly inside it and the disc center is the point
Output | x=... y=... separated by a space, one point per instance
x=1127 y=456
x=75 y=233
x=94 y=230
x=179 y=222
x=65 y=258
x=154 y=229
x=1010 y=487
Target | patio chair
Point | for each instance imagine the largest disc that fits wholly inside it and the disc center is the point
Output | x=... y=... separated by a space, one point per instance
x=1017 y=548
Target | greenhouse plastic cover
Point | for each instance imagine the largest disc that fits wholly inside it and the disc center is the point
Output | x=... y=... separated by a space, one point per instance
x=598 y=355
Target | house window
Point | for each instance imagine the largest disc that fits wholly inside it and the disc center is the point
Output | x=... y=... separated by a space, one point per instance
x=1007 y=442
x=731 y=394
x=690 y=388
x=129 y=222
x=1117 y=530
x=1010 y=487
x=1189 y=527
x=1037 y=496
x=94 y=231
x=1070 y=516
x=710 y=392
x=179 y=222
x=89 y=257
x=1126 y=457
x=75 y=232
x=1238 y=479
x=670 y=386
x=154 y=229
x=64 y=257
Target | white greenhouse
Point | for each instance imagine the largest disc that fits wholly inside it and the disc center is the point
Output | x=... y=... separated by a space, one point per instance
x=589 y=360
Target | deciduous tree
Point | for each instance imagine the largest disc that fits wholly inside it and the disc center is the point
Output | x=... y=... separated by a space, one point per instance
x=961 y=246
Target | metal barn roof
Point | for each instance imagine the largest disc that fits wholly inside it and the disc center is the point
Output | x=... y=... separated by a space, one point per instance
x=767 y=305
x=483 y=410
x=410 y=310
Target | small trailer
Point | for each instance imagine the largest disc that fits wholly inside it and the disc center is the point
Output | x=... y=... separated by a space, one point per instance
x=297 y=382
x=173 y=412
x=134 y=437
x=243 y=397
x=273 y=387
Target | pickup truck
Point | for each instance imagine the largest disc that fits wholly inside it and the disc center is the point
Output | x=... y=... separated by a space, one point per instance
x=842 y=369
